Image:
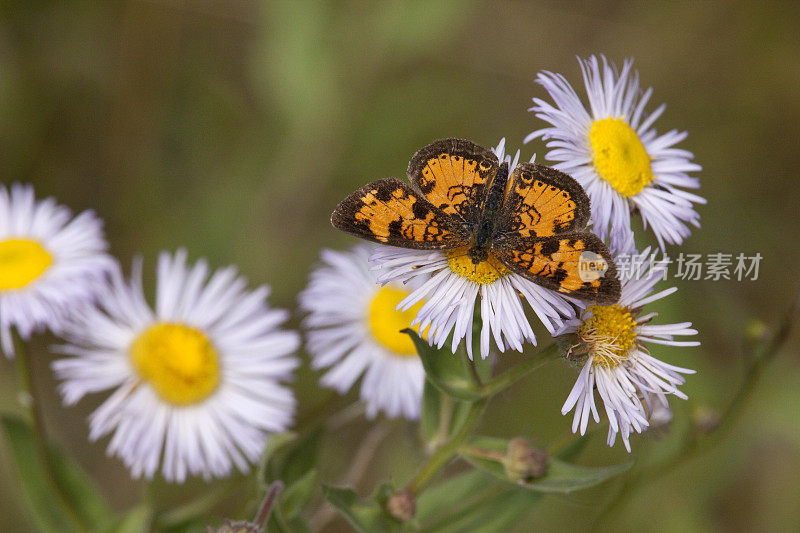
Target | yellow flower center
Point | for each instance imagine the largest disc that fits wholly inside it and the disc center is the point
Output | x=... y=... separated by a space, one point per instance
x=21 y=262
x=178 y=361
x=484 y=272
x=385 y=322
x=610 y=333
x=619 y=156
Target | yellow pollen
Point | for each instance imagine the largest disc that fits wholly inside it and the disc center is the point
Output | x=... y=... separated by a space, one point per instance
x=178 y=361
x=21 y=262
x=610 y=333
x=619 y=156
x=385 y=322
x=484 y=272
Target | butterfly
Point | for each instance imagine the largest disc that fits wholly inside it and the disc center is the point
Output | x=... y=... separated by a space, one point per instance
x=532 y=220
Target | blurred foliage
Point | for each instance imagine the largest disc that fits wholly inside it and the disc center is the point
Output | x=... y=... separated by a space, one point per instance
x=232 y=128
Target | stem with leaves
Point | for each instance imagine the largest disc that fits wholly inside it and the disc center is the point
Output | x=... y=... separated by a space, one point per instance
x=697 y=442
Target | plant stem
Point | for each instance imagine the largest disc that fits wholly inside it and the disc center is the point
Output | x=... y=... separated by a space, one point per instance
x=266 y=506
x=445 y=418
x=474 y=451
x=34 y=406
x=514 y=374
x=33 y=403
x=696 y=442
x=448 y=450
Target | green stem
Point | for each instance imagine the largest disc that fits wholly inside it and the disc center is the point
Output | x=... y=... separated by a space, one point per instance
x=696 y=443
x=448 y=450
x=445 y=419
x=34 y=406
x=33 y=402
x=514 y=374
x=474 y=451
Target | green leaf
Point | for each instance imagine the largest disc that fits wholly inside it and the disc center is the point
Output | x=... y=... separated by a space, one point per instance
x=452 y=492
x=301 y=456
x=67 y=502
x=497 y=512
x=295 y=497
x=291 y=459
x=276 y=446
x=561 y=477
x=365 y=515
x=445 y=370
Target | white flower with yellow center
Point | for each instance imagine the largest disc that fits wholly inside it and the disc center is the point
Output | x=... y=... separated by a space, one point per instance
x=196 y=383
x=49 y=262
x=352 y=328
x=453 y=284
x=612 y=150
x=631 y=382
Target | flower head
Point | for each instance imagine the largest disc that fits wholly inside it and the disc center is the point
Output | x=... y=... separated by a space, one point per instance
x=613 y=151
x=49 y=262
x=353 y=329
x=611 y=347
x=197 y=380
x=452 y=284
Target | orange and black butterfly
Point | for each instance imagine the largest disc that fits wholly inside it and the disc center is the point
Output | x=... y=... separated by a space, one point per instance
x=533 y=221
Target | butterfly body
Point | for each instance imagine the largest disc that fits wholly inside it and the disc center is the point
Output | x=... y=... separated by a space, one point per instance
x=531 y=220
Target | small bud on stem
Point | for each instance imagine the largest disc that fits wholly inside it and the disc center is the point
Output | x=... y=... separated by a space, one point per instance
x=523 y=462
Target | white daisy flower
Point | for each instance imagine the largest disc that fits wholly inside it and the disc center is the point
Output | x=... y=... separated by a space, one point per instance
x=49 y=262
x=353 y=329
x=452 y=288
x=612 y=150
x=632 y=383
x=196 y=381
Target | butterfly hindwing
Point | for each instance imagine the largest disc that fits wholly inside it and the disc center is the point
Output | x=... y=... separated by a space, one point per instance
x=576 y=263
x=389 y=211
x=542 y=201
x=454 y=174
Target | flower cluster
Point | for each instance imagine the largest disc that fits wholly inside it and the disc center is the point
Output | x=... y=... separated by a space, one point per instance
x=196 y=382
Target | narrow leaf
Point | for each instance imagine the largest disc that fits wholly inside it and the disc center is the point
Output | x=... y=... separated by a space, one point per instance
x=67 y=502
x=445 y=370
x=296 y=496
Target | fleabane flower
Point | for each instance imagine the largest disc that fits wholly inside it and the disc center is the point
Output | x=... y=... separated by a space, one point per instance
x=50 y=262
x=611 y=346
x=613 y=151
x=353 y=329
x=195 y=384
x=452 y=285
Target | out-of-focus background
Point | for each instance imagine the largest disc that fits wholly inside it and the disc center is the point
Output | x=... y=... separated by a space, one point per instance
x=232 y=128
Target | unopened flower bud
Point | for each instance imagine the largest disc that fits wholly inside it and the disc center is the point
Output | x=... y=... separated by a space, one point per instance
x=523 y=462
x=402 y=506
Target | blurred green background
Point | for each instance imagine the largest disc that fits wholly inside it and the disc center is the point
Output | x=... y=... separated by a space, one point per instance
x=232 y=128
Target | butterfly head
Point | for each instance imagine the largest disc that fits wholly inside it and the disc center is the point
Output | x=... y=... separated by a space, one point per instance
x=478 y=254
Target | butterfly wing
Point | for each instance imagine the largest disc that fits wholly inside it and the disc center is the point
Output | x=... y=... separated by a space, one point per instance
x=541 y=201
x=454 y=175
x=575 y=263
x=389 y=211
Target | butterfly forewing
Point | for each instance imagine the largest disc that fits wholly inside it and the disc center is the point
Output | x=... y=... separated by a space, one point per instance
x=454 y=174
x=577 y=264
x=541 y=201
x=389 y=211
